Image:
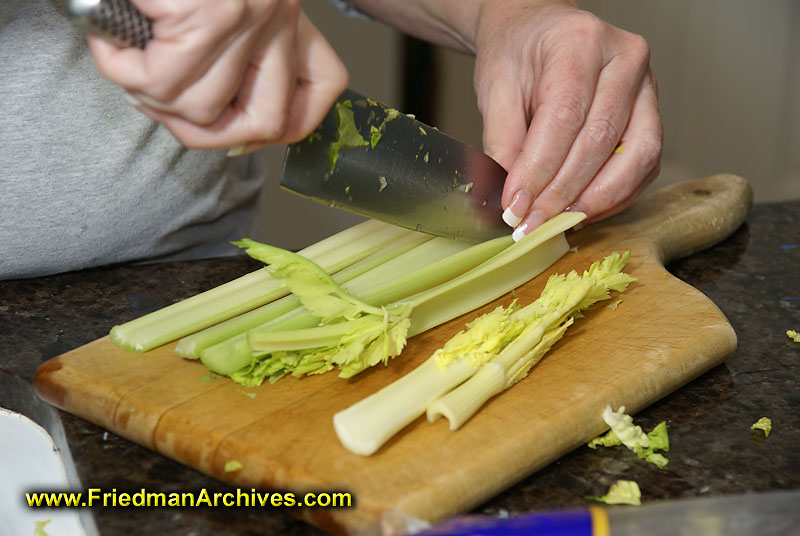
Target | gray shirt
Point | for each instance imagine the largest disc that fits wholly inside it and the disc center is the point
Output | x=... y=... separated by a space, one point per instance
x=85 y=179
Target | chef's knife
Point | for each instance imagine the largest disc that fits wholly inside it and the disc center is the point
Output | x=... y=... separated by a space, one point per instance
x=365 y=157
x=374 y=161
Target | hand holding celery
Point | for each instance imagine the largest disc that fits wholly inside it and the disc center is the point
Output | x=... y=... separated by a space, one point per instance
x=496 y=351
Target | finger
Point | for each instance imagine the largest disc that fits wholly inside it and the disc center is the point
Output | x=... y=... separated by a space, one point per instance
x=628 y=172
x=618 y=84
x=260 y=109
x=565 y=94
x=206 y=98
x=322 y=77
x=625 y=203
x=303 y=93
x=504 y=127
x=185 y=45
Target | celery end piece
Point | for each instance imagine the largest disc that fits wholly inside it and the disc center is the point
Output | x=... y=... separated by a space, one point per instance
x=228 y=357
x=365 y=426
x=196 y=312
x=119 y=338
x=464 y=401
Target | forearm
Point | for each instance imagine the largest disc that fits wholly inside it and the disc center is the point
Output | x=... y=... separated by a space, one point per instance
x=450 y=23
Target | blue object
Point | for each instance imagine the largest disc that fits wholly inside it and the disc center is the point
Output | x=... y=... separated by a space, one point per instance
x=556 y=523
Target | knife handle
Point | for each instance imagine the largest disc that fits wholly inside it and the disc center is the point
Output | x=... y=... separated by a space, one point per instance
x=118 y=21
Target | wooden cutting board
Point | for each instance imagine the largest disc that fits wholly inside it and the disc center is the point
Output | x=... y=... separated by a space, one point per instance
x=663 y=334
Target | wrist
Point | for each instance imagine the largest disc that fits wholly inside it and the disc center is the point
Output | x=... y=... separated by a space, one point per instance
x=449 y=23
x=495 y=17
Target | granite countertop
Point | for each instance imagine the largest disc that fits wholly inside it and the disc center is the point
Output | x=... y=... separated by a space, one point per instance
x=753 y=277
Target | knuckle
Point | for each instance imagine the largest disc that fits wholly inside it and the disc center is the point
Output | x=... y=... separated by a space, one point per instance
x=272 y=130
x=602 y=134
x=203 y=116
x=341 y=78
x=559 y=193
x=639 y=47
x=231 y=12
x=163 y=91
x=650 y=147
x=568 y=112
x=589 y=27
x=605 y=196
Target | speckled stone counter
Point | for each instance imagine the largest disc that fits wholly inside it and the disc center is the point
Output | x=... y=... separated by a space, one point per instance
x=753 y=276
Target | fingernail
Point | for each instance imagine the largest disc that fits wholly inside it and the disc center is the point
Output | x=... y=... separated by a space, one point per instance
x=574 y=207
x=520 y=203
x=130 y=99
x=520 y=232
x=245 y=148
x=534 y=220
x=237 y=150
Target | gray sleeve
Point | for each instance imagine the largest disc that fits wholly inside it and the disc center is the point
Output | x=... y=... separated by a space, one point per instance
x=347 y=7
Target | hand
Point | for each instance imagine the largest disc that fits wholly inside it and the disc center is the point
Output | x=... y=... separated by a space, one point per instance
x=230 y=73
x=559 y=91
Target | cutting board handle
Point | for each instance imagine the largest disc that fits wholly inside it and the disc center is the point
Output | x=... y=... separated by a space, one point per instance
x=688 y=216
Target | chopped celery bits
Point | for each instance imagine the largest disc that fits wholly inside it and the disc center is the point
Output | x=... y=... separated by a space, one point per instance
x=233 y=465
x=624 y=432
x=347 y=134
x=621 y=492
x=764 y=424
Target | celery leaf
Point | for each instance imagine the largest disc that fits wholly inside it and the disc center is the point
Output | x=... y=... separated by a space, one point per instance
x=315 y=288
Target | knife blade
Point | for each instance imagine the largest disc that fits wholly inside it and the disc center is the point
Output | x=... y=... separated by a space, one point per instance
x=371 y=160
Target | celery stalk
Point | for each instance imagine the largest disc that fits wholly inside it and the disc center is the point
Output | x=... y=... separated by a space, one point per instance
x=300 y=339
x=445 y=260
x=475 y=286
x=420 y=268
x=191 y=346
x=247 y=292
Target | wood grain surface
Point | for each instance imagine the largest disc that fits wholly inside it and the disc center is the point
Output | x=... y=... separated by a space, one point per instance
x=663 y=334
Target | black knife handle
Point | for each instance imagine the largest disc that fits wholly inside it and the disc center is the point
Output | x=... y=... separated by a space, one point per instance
x=118 y=21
